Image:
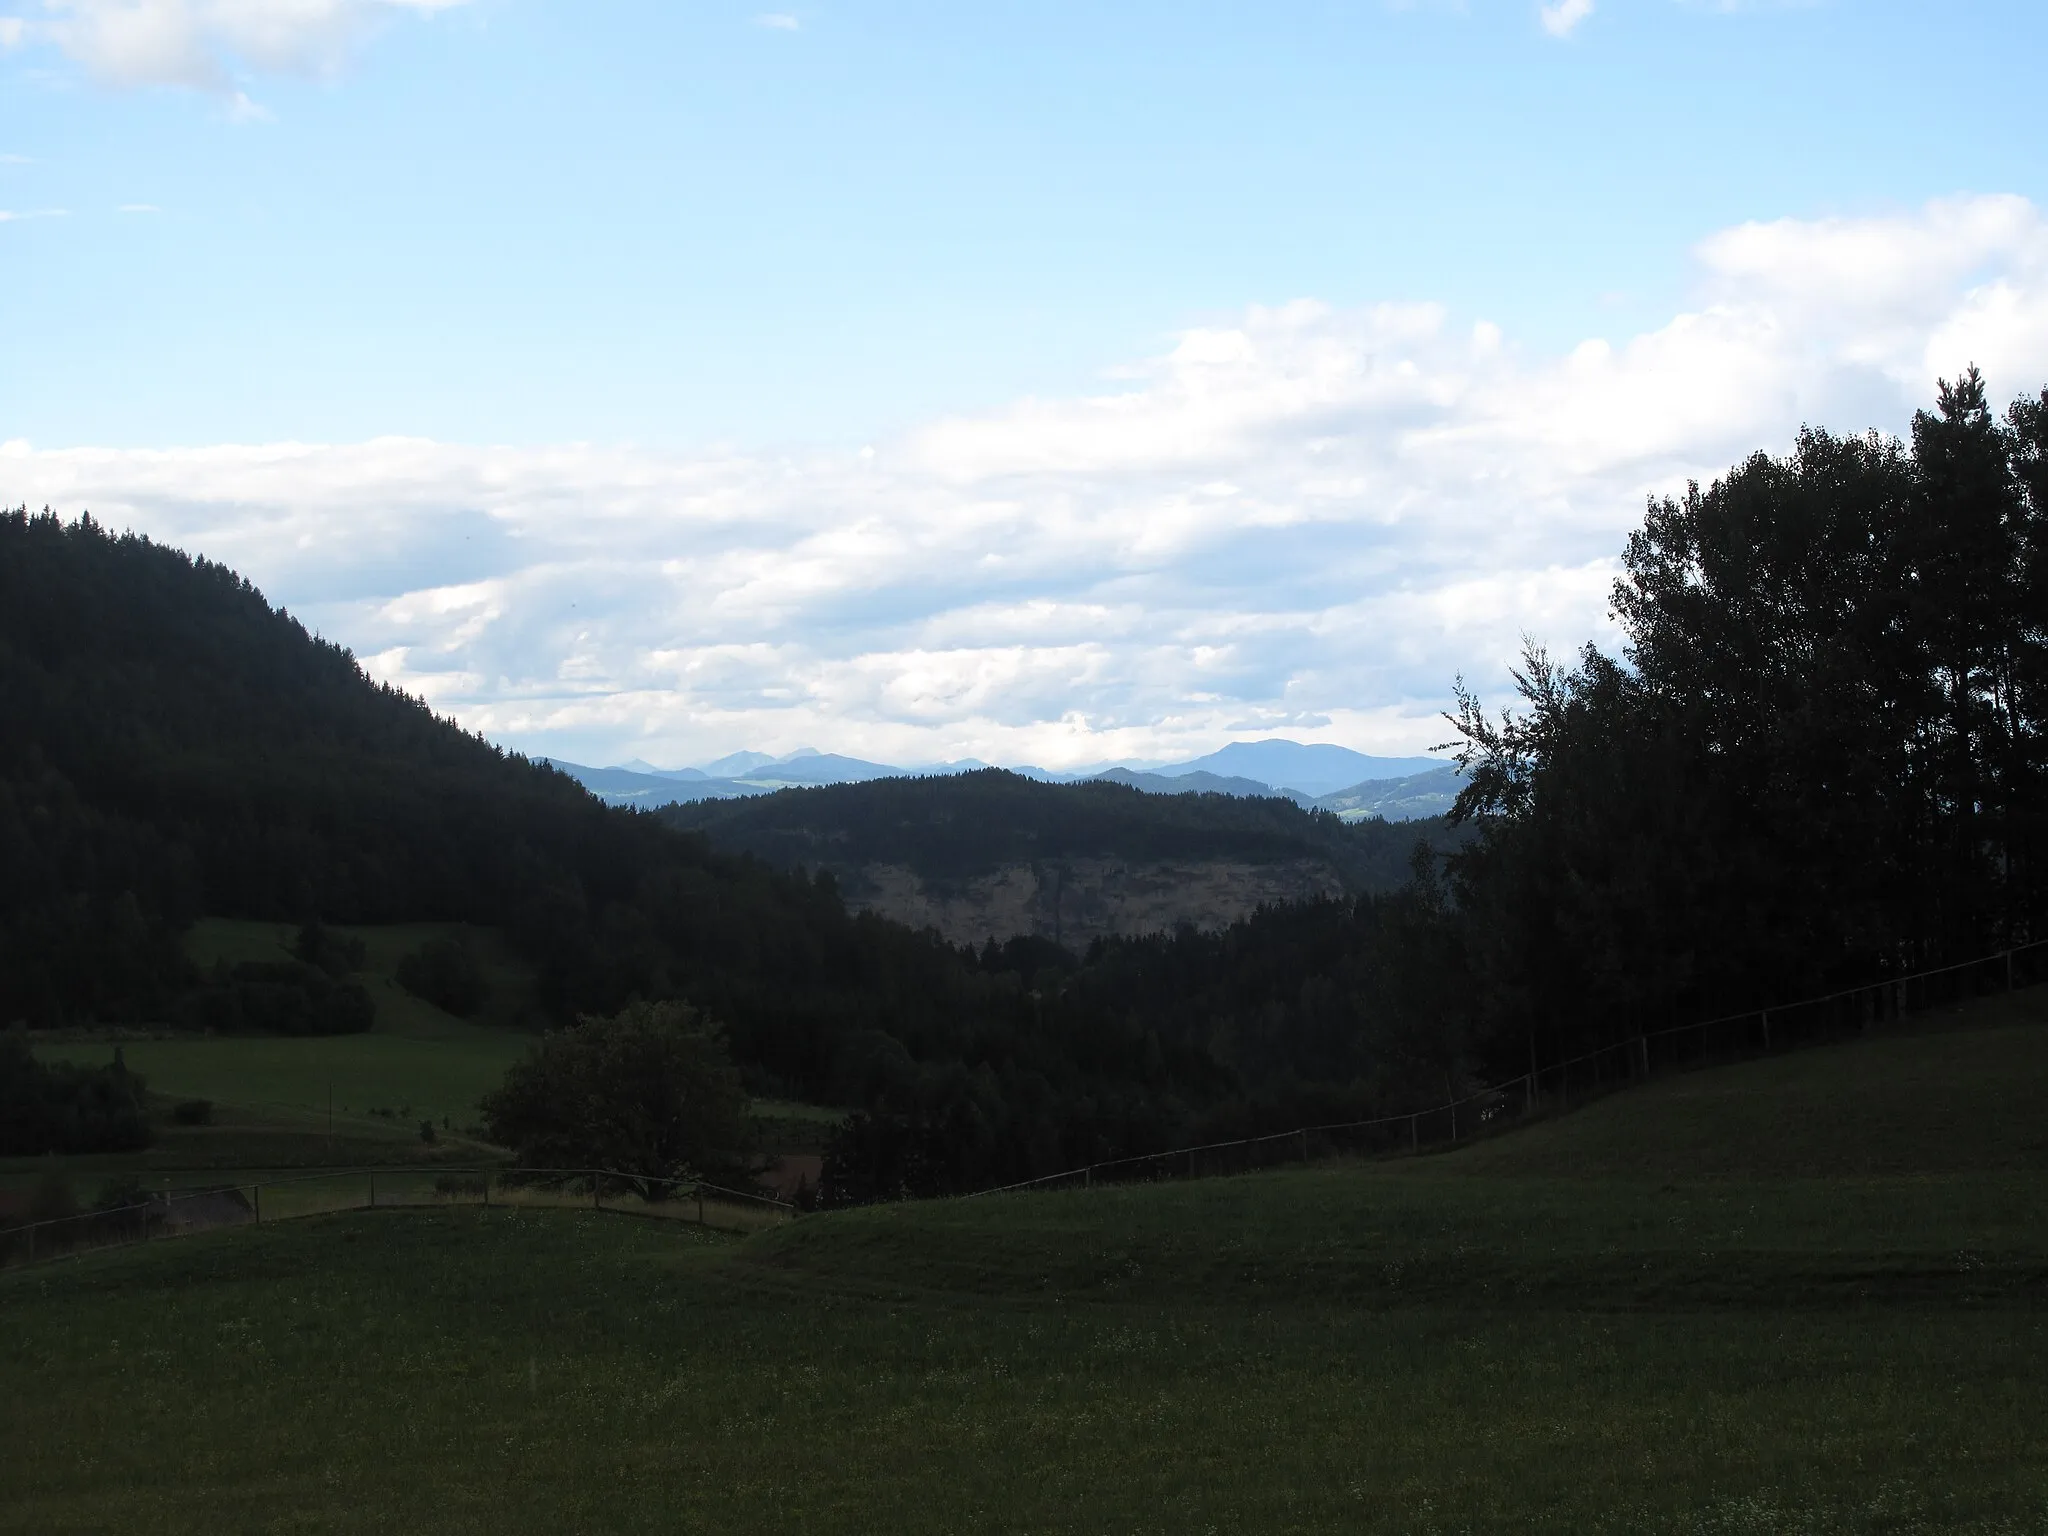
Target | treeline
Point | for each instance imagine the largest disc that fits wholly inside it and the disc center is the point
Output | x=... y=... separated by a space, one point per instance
x=1821 y=758
x=58 y=1107
x=951 y=827
x=1304 y=1012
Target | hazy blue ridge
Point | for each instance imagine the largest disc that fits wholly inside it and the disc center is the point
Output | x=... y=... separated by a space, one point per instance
x=1199 y=784
x=1414 y=798
x=1314 y=769
x=1306 y=774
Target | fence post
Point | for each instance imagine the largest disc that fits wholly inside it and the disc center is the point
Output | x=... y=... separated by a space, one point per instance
x=32 y=1241
x=1454 y=1122
x=487 y=1189
x=1766 y=1016
x=1304 y=1144
x=596 y=1194
x=2008 y=970
x=1191 y=1162
x=257 y=1191
x=700 y=1205
x=373 y=1191
x=1088 y=1177
x=1414 y=1132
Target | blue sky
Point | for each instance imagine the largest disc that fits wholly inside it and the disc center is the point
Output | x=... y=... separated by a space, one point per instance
x=1020 y=381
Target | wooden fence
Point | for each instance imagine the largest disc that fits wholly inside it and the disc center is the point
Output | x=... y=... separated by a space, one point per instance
x=173 y=1212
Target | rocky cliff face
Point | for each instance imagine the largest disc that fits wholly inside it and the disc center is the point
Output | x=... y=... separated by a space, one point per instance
x=1072 y=901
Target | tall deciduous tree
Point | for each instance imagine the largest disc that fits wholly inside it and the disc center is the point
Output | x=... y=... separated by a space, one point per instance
x=649 y=1092
x=1819 y=759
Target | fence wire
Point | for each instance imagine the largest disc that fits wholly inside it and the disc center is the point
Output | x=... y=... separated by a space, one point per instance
x=1462 y=1117
x=169 y=1212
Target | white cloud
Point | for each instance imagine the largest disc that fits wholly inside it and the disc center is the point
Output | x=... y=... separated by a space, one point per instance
x=10 y=217
x=778 y=21
x=1305 y=522
x=205 y=43
x=1563 y=18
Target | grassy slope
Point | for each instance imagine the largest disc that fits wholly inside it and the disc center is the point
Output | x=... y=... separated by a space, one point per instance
x=1525 y=1336
x=272 y=1093
x=1962 y=1091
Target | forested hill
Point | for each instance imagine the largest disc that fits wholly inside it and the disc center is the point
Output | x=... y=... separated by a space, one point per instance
x=993 y=854
x=171 y=746
x=957 y=825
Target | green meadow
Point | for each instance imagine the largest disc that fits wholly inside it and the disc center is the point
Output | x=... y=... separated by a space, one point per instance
x=1807 y=1294
x=296 y=1102
x=283 y=1105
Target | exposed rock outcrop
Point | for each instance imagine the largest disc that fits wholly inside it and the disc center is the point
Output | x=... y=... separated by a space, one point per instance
x=1073 y=901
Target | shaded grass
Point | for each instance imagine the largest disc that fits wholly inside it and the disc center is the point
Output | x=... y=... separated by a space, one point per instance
x=1673 y=1312
x=271 y=1094
x=1405 y=1234
x=509 y=1005
x=284 y=1081
x=515 y=1371
x=1959 y=1091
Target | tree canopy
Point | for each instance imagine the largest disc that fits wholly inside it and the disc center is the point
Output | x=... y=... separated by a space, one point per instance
x=649 y=1092
x=1819 y=760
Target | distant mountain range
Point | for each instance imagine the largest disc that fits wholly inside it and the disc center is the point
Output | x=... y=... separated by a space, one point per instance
x=1353 y=785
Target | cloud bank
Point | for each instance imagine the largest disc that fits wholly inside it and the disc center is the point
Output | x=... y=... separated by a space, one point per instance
x=201 y=43
x=1304 y=522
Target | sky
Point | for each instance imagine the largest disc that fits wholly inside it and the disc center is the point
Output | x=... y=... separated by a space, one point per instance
x=1028 y=382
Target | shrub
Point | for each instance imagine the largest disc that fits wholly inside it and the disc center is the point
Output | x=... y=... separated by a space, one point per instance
x=59 y=1107
x=335 y=953
x=649 y=1092
x=52 y=1199
x=120 y=1193
x=443 y=972
x=279 y=997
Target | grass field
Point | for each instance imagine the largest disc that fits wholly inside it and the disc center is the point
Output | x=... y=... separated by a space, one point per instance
x=1613 y=1322
x=283 y=1103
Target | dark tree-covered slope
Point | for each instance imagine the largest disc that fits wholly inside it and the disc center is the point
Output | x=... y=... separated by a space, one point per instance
x=170 y=745
x=959 y=825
